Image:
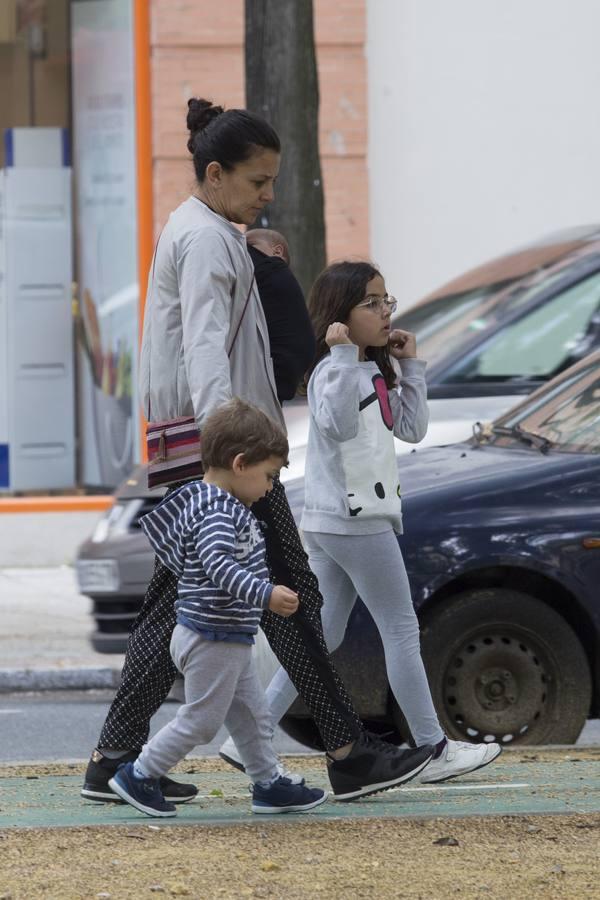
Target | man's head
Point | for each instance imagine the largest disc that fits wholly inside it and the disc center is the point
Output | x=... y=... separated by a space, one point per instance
x=269 y=242
x=242 y=441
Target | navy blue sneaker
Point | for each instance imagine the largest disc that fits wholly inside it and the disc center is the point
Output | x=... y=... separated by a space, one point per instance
x=284 y=796
x=101 y=769
x=143 y=793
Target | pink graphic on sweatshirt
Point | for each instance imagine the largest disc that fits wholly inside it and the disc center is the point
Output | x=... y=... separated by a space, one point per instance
x=382 y=391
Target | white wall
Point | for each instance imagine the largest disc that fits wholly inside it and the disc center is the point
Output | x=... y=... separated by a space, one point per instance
x=484 y=130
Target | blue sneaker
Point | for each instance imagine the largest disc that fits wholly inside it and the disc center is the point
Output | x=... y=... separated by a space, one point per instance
x=143 y=793
x=284 y=796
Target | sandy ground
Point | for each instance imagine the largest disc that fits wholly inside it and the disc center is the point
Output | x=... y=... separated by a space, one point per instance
x=513 y=856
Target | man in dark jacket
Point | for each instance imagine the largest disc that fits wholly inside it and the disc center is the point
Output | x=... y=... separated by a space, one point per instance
x=290 y=330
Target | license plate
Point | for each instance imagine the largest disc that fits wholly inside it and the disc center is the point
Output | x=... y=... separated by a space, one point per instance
x=97 y=576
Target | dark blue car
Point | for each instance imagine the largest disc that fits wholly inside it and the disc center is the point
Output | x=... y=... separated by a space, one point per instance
x=502 y=547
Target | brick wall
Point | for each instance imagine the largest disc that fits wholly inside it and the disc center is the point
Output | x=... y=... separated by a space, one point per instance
x=197 y=55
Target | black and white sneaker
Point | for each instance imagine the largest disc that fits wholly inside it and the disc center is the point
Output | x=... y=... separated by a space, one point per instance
x=374 y=765
x=101 y=769
x=142 y=793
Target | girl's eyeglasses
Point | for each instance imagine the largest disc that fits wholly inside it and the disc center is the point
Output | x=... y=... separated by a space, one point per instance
x=379 y=304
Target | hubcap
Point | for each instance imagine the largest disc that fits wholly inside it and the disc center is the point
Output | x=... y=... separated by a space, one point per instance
x=497 y=685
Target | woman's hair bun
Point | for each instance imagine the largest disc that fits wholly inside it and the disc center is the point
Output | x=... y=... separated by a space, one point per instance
x=200 y=114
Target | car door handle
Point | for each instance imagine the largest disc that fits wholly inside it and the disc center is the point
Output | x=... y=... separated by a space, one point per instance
x=591 y=543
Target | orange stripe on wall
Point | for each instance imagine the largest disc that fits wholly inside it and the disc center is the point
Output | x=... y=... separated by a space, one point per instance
x=55 y=504
x=143 y=113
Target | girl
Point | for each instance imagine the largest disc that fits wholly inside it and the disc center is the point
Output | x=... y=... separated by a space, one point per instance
x=353 y=509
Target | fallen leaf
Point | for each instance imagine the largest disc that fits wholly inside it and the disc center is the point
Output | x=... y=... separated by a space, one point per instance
x=446 y=842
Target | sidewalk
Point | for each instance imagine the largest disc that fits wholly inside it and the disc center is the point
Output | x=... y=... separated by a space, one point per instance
x=44 y=634
x=558 y=781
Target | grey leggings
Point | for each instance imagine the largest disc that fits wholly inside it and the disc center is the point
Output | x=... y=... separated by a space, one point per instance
x=221 y=687
x=370 y=565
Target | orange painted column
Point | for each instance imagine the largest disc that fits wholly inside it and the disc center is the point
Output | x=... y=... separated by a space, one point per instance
x=143 y=121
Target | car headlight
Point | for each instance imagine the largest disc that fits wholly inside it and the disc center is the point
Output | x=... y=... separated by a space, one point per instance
x=116 y=521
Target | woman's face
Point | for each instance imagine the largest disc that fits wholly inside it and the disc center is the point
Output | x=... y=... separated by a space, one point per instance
x=245 y=190
x=370 y=327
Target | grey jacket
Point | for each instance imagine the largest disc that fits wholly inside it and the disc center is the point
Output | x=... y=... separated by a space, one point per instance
x=196 y=293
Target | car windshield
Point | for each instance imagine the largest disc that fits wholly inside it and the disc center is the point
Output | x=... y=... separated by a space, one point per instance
x=478 y=300
x=566 y=415
x=444 y=323
x=542 y=342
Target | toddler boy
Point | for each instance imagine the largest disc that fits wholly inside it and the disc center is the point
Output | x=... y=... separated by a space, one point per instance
x=206 y=534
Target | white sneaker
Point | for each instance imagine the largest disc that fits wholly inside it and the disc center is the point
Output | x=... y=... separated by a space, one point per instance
x=229 y=752
x=458 y=759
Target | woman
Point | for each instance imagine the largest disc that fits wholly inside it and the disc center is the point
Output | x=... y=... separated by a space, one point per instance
x=205 y=340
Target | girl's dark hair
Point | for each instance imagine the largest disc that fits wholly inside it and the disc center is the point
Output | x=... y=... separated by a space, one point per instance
x=226 y=136
x=338 y=289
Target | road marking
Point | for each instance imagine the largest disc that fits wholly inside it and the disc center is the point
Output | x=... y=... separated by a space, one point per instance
x=464 y=787
x=8 y=712
x=415 y=790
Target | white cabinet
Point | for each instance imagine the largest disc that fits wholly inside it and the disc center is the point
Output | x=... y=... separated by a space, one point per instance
x=37 y=411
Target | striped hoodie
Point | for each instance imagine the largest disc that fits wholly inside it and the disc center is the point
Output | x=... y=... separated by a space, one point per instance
x=214 y=545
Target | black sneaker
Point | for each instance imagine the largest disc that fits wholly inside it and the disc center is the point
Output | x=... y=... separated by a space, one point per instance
x=143 y=793
x=100 y=769
x=285 y=796
x=373 y=765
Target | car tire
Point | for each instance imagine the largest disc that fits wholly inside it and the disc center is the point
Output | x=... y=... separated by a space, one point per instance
x=504 y=666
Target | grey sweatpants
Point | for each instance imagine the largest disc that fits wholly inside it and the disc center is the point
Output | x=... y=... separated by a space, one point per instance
x=371 y=566
x=221 y=687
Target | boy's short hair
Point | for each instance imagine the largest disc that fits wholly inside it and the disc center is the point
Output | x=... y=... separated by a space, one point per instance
x=239 y=427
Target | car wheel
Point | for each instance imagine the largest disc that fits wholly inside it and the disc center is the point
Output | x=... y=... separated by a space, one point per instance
x=503 y=666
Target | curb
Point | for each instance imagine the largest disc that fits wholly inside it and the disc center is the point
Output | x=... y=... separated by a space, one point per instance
x=85 y=678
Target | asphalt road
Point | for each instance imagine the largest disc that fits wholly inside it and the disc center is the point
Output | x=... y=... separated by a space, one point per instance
x=65 y=726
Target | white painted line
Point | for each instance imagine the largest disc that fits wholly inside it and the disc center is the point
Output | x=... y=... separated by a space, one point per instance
x=462 y=787
x=8 y=712
x=425 y=788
